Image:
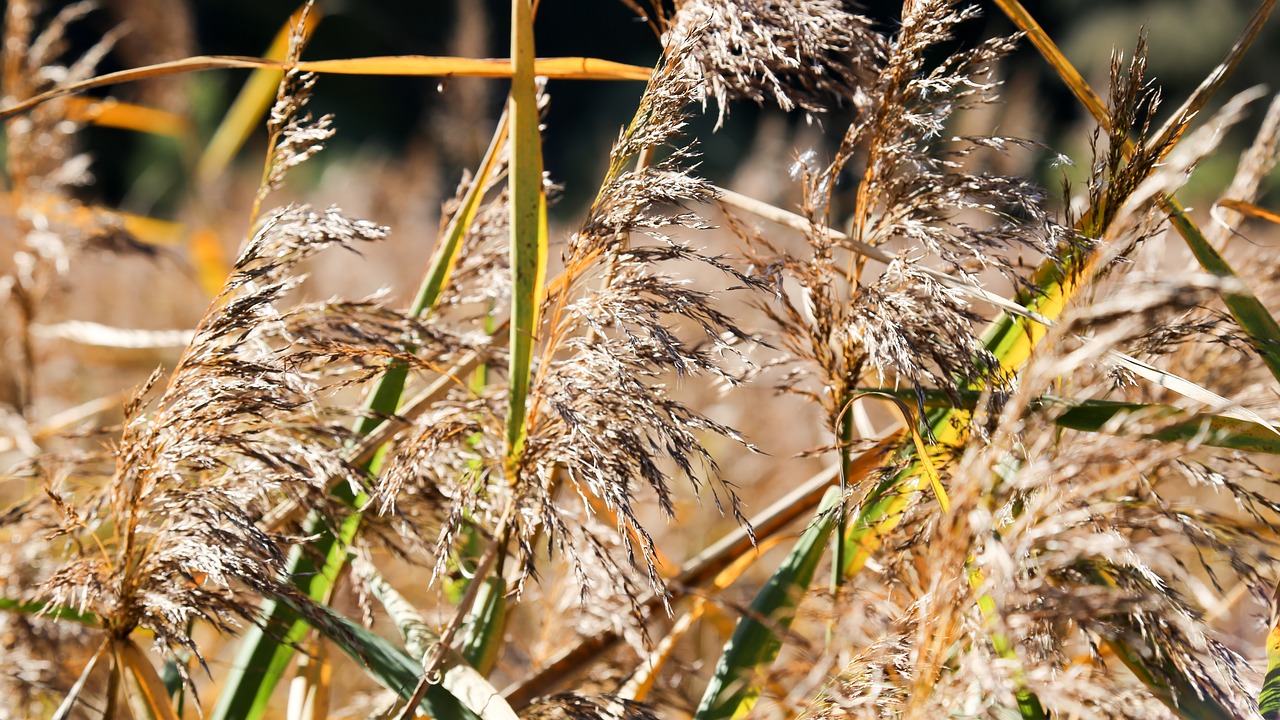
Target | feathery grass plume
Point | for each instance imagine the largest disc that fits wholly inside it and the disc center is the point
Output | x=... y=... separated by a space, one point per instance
x=445 y=464
x=602 y=415
x=904 y=326
x=42 y=156
x=294 y=135
x=452 y=445
x=812 y=54
x=915 y=197
x=43 y=227
x=602 y=421
x=242 y=424
x=1053 y=570
x=914 y=193
x=41 y=656
x=1122 y=574
x=943 y=652
x=1135 y=189
x=239 y=427
x=1073 y=546
x=1132 y=101
x=1083 y=538
x=40 y=236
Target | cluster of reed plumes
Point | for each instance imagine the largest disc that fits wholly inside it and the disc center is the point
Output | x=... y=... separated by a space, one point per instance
x=1044 y=497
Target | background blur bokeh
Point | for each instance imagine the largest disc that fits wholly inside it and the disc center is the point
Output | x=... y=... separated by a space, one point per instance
x=381 y=119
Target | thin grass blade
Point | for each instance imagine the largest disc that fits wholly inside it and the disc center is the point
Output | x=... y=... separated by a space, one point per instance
x=1246 y=208
x=446 y=257
x=1059 y=62
x=265 y=654
x=561 y=68
x=1251 y=210
x=1029 y=706
x=1178 y=122
x=482 y=638
x=53 y=612
x=391 y=667
x=418 y=635
x=149 y=230
x=564 y=68
x=643 y=677
x=1181 y=695
x=1245 y=307
x=460 y=677
x=1212 y=430
x=1202 y=429
x=927 y=465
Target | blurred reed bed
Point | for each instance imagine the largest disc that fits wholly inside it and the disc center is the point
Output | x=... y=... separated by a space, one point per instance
x=893 y=427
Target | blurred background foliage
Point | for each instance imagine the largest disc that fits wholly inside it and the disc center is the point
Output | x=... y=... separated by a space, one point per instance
x=443 y=124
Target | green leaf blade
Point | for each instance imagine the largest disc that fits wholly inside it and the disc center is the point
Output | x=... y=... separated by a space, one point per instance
x=528 y=224
x=735 y=686
x=48 y=610
x=1245 y=307
x=265 y=651
x=483 y=631
x=390 y=666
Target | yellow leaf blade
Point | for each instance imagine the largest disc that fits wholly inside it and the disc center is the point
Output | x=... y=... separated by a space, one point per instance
x=1250 y=210
x=127 y=116
x=565 y=68
x=151 y=690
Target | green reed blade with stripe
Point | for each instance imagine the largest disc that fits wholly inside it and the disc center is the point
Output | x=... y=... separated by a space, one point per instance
x=528 y=226
x=1176 y=424
x=1245 y=307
